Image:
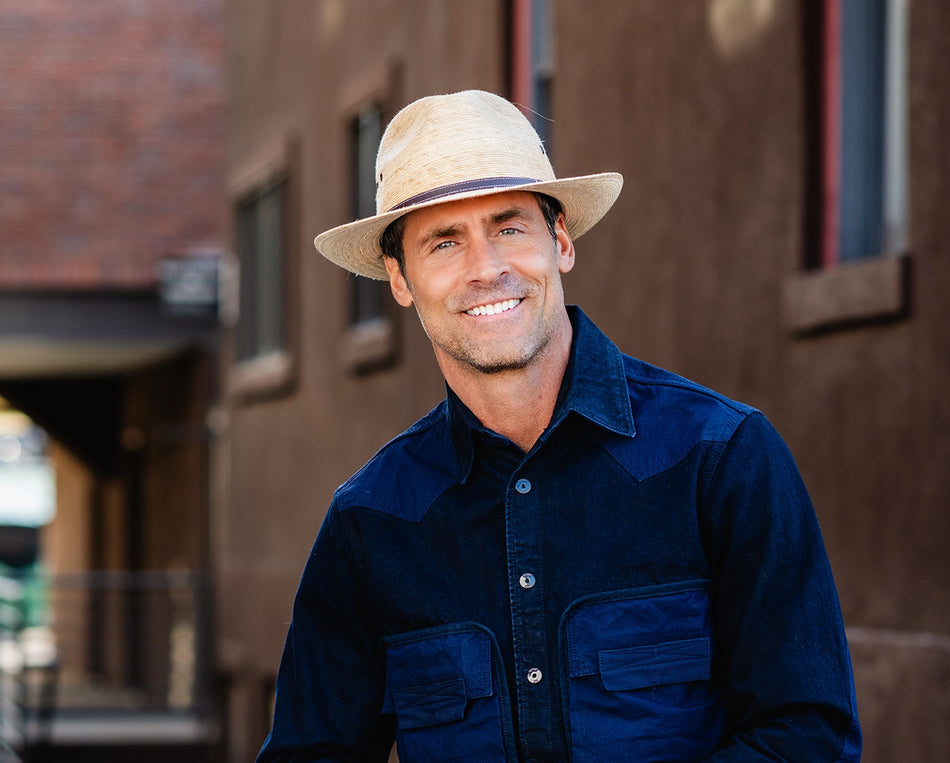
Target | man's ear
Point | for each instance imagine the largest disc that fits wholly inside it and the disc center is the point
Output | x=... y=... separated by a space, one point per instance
x=565 y=246
x=397 y=282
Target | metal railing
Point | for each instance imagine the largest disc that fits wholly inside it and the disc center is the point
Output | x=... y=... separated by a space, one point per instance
x=108 y=648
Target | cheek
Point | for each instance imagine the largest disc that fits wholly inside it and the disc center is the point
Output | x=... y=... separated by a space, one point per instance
x=432 y=285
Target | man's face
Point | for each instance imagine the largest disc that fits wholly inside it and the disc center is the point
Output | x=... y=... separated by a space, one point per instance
x=485 y=277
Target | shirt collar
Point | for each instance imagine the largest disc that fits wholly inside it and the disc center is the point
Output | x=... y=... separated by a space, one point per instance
x=594 y=386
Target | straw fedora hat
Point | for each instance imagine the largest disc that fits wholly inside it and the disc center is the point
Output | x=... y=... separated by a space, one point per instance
x=445 y=148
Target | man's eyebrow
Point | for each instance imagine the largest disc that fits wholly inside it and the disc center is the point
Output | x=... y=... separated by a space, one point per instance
x=444 y=232
x=511 y=213
x=454 y=229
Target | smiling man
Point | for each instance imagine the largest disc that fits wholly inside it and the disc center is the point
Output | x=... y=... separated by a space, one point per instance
x=576 y=556
x=484 y=275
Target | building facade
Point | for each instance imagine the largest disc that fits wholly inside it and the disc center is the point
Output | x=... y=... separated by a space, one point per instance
x=111 y=225
x=779 y=238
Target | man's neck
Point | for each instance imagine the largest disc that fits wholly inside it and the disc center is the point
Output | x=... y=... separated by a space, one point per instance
x=517 y=404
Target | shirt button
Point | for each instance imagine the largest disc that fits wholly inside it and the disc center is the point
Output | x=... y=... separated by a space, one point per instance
x=523 y=486
x=534 y=676
x=527 y=581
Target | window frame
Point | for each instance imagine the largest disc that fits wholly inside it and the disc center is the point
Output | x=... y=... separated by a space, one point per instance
x=832 y=292
x=367 y=298
x=533 y=58
x=273 y=371
x=850 y=136
x=372 y=344
x=259 y=216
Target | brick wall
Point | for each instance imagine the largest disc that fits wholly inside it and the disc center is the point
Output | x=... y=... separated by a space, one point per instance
x=111 y=127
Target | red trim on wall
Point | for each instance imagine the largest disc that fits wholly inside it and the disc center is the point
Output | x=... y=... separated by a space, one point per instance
x=831 y=129
x=521 y=93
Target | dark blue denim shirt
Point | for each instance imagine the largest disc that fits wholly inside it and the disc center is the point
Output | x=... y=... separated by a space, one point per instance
x=648 y=583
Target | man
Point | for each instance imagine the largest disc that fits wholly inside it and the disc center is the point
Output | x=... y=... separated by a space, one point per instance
x=576 y=556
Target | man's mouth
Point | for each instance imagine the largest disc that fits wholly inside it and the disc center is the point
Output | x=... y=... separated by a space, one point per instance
x=495 y=308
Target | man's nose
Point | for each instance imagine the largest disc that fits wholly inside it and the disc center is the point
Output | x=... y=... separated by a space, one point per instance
x=486 y=260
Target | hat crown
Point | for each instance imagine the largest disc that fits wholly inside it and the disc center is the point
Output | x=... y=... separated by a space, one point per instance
x=446 y=148
x=442 y=141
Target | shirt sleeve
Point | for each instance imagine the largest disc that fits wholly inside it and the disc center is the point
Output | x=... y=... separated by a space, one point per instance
x=782 y=653
x=330 y=681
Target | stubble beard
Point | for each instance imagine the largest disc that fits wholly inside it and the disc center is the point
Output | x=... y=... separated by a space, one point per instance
x=479 y=356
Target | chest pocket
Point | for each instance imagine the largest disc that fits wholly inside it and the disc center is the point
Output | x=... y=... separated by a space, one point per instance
x=441 y=685
x=639 y=669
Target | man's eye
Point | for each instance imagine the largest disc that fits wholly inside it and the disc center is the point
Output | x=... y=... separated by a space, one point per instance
x=508 y=231
x=444 y=244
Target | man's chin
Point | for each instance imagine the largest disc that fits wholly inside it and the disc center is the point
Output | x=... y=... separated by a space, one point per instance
x=500 y=367
x=494 y=357
x=500 y=362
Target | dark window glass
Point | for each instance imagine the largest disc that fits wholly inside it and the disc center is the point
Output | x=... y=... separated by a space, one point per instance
x=260 y=252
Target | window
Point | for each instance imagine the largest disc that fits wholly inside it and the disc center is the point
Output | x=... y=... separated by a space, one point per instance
x=259 y=242
x=262 y=309
x=366 y=301
x=856 y=173
x=369 y=343
x=864 y=129
x=532 y=61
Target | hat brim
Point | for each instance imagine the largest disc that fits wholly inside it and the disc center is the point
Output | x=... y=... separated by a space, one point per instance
x=355 y=245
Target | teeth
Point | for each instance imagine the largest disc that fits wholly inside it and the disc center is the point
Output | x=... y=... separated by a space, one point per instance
x=498 y=307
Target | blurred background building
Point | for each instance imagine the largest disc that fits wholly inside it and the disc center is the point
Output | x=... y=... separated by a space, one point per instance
x=112 y=224
x=780 y=238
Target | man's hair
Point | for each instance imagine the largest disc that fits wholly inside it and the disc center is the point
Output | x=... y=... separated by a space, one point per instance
x=391 y=239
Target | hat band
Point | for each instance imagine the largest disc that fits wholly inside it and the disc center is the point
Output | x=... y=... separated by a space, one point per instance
x=463 y=187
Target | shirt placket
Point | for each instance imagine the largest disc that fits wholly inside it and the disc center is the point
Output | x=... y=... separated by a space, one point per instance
x=525 y=586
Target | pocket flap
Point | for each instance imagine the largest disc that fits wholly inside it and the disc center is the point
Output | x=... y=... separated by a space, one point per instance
x=640 y=667
x=635 y=624
x=430 y=704
x=431 y=675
